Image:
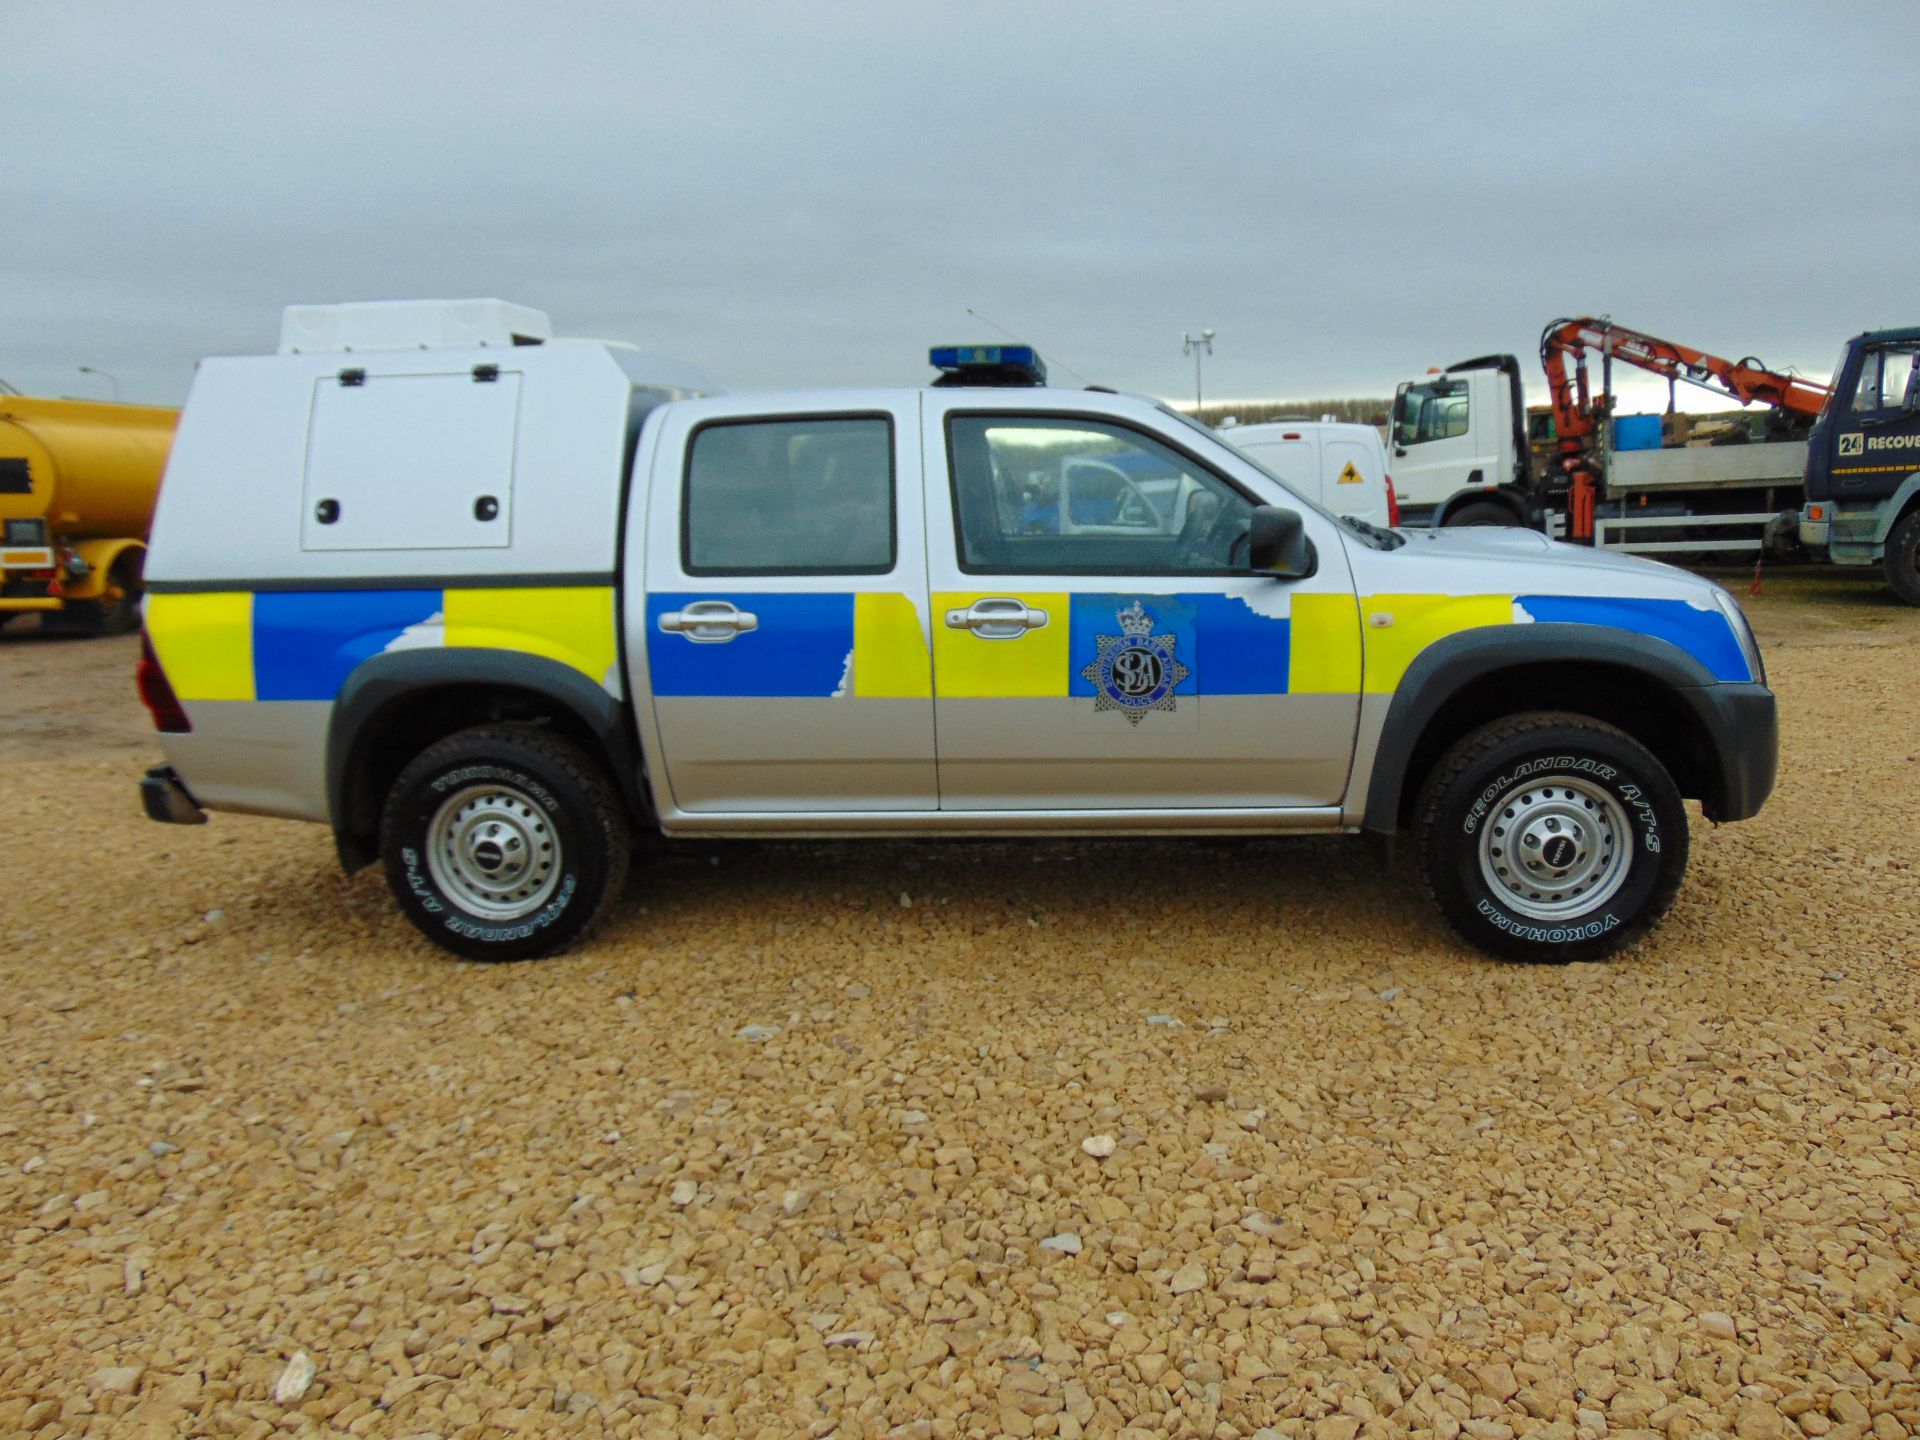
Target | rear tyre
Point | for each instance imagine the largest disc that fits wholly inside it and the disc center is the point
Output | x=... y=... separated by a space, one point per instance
x=1551 y=837
x=1481 y=512
x=1903 y=558
x=505 y=842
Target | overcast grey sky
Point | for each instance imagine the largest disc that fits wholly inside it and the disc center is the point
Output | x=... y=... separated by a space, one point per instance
x=799 y=194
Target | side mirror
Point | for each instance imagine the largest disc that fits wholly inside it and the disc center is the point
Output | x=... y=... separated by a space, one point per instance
x=1277 y=542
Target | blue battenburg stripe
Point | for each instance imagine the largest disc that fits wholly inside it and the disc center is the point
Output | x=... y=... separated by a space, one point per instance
x=1226 y=647
x=799 y=648
x=1704 y=634
x=306 y=642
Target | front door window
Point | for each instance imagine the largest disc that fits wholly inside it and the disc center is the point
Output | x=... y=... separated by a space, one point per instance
x=1038 y=495
x=1430 y=410
x=1886 y=380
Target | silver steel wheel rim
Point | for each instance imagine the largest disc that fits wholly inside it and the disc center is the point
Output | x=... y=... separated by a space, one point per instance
x=494 y=851
x=1555 y=848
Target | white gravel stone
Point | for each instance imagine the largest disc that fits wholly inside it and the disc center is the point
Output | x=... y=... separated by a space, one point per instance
x=1100 y=1147
x=1066 y=1242
x=291 y=1387
x=117 y=1379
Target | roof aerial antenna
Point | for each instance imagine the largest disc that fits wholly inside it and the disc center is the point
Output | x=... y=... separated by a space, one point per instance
x=1011 y=336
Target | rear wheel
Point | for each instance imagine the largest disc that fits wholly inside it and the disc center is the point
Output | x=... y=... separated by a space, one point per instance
x=505 y=842
x=1551 y=837
x=1903 y=557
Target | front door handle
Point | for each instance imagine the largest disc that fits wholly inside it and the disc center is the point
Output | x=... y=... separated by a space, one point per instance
x=997 y=619
x=708 y=622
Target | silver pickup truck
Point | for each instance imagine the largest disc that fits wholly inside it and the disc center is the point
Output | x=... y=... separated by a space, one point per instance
x=489 y=604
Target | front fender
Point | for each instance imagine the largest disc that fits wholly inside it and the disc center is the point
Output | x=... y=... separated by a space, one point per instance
x=101 y=556
x=1448 y=666
x=1895 y=506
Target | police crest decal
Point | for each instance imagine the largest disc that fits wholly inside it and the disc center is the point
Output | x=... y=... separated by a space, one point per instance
x=1136 y=670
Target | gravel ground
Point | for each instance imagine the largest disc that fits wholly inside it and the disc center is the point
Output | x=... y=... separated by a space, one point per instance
x=1149 y=1139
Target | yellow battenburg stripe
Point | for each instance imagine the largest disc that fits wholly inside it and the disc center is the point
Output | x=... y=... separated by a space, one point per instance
x=571 y=624
x=1323 y=645
x=1414 y=622
x=890 y=659
x=1034 y=665
x=204 y=643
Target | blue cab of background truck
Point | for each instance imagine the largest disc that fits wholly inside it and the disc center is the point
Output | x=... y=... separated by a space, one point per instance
x=1880 y=469
x=1863 y=466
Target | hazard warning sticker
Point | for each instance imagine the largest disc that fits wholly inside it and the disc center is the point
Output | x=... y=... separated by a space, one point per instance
x=1350 y=476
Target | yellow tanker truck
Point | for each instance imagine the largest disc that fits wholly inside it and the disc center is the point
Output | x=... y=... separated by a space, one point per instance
x=77 y=485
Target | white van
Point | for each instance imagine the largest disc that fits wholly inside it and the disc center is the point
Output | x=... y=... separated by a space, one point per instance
x=1341 y=465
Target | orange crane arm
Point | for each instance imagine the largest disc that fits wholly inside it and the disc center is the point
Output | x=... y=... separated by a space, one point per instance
x=1577 y=416
x=1747 y=381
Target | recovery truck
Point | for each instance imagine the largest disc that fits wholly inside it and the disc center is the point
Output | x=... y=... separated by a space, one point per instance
x=77 y=485
x=1464 y=454
x=493 y=606
x=1863 y=462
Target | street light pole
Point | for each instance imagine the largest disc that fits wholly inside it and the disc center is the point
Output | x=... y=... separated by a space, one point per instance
x=110 y=379
x=1194 y=345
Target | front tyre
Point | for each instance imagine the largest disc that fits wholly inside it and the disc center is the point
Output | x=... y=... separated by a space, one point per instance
x=1551 y=837
x=504 y=842
x=1481 y=513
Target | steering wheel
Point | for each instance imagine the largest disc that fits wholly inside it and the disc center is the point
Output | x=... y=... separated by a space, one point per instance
x=1190 y=551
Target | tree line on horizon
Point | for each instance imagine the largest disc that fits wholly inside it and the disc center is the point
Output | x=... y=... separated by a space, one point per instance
x=1359 y=410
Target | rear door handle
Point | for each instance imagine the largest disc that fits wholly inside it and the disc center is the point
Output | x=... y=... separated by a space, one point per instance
x=709 y=622
x=997 y=619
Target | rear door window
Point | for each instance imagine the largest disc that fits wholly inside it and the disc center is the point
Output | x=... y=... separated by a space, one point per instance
x=811 y=495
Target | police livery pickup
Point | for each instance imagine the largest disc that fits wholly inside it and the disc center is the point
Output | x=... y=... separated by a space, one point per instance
x=492 y=604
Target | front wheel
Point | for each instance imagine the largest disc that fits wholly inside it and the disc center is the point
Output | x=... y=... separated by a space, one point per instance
x=1551 y=837
x=1481 y=512
x=504 y=842
x=117 y=611
x=1903 y=558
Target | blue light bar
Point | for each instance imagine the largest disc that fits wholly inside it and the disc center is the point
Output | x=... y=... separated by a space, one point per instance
x=988 y=365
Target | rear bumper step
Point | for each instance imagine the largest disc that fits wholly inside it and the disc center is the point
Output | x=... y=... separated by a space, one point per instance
x=167 y=799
